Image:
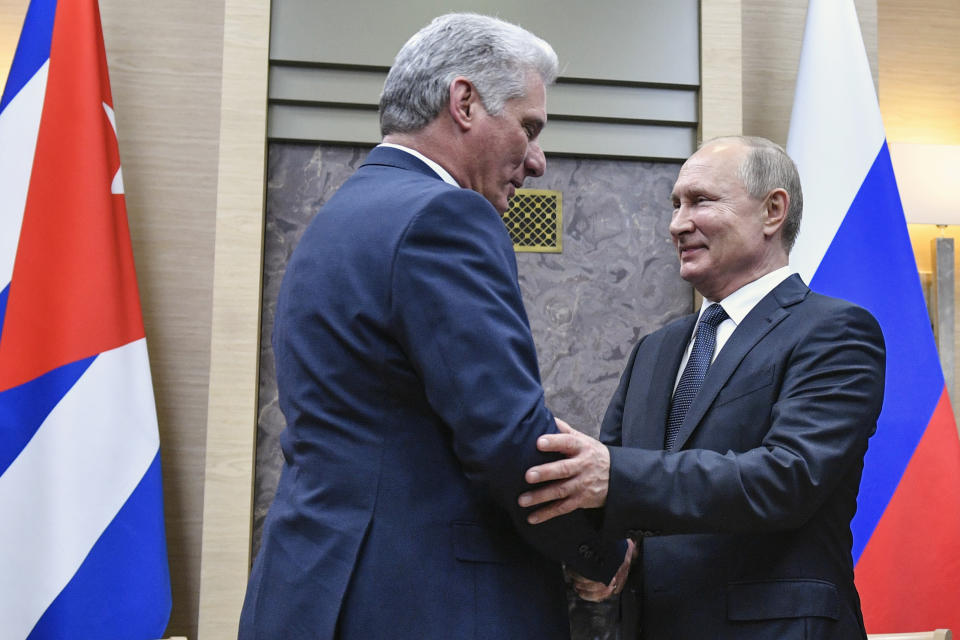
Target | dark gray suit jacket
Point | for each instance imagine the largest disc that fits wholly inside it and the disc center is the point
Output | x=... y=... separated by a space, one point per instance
x=745 y=530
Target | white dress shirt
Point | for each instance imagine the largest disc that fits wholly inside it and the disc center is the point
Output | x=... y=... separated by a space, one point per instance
x=737 y=305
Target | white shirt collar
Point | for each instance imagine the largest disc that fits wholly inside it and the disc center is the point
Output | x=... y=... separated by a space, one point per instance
x=739 y=303
x=440 y=171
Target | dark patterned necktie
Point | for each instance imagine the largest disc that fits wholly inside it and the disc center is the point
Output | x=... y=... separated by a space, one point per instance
x=694 y=372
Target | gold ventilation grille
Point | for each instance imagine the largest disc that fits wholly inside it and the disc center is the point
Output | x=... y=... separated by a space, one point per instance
x=535 y=220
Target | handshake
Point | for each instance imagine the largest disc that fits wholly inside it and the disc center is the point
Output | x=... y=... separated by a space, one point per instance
x=578 y=481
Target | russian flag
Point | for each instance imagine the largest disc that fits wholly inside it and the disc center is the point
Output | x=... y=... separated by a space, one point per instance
x=853 y=244
x=82 y=544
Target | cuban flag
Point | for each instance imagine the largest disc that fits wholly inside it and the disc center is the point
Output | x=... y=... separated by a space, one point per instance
x=82 y=545
x=853 y=244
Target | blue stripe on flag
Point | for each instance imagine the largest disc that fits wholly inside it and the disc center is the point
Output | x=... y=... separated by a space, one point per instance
x=870 y=262
x=24 y=408
x=122 y=589
x=3 y=306
x=33 y=49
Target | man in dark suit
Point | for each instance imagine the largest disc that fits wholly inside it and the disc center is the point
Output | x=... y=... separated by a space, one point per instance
x=739 y=477
x=408 y=377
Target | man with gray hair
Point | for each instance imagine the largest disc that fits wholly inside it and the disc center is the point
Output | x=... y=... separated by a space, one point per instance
x=733 y=448
x=408 y=377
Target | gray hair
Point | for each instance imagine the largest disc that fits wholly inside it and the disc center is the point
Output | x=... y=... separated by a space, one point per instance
x=768 y=167
x=494 y=55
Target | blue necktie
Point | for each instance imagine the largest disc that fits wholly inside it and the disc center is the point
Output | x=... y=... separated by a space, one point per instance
x=695 y=371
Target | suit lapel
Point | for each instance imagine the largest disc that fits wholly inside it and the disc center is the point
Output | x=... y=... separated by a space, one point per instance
x=768 y=313
x=651 y=423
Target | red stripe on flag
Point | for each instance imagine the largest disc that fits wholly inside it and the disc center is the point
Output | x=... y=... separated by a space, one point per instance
x=73 y=293
x=909 y=574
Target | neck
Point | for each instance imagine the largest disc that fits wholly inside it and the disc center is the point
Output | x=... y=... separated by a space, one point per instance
x=720 y=292
x=437 y=142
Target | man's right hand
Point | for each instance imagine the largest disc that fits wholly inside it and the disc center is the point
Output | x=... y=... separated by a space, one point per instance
x=593 y=591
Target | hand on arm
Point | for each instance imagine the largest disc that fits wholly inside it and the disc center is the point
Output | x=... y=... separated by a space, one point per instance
x=578 y=481
x=593 y=591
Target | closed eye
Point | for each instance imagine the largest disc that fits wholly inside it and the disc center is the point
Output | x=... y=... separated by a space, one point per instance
x=532 y=128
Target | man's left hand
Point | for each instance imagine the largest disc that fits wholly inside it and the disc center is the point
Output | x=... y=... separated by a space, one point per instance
x=579 y=481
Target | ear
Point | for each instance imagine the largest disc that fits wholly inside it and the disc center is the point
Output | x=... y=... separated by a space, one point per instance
x=464 y=101
x=775 y=211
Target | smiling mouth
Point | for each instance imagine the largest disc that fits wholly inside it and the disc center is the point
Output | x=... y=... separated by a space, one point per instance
x=687 y=250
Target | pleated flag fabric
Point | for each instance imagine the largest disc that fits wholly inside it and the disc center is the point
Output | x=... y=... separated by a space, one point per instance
x=82 y=544
x=853 y=244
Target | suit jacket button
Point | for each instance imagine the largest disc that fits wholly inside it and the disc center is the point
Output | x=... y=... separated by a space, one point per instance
x=585 y=551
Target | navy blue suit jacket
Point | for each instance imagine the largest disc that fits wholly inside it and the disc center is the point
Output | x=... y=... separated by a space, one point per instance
x=408 y=377
x=745 y=531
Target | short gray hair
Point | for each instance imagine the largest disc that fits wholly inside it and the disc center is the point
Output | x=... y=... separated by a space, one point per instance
x=494 y=55
x=768 y=167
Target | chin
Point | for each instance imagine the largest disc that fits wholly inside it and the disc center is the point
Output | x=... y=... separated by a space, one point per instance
x=693 y=276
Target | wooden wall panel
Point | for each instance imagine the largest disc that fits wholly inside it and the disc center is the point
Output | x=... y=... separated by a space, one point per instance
x=920 y=70
x=11 y=20
x=772 y=35
x=234 y=348
x=164 y=62
x=721 y=68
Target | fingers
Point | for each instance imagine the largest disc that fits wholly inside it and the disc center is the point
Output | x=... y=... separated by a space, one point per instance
x=548 y=493
x=552 y=510
x=563 y=427
x=595 y=594
x=556 y=470
x=566 y=443
x=592 y=591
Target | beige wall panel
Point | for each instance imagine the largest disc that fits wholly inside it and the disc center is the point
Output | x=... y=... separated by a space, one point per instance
x=164 y=62
x=920 y=70
x=11 y=20
x=621 y=40
x=361 y=88
x=772 y=35
x=234 y=349
x=721 y=68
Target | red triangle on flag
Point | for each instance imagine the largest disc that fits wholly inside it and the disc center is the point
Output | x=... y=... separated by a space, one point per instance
x=73 y=293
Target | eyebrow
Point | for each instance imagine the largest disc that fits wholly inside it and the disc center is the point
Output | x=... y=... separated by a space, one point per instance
x=691 y=191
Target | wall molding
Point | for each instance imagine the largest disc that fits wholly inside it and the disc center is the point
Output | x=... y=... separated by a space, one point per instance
x=234 y=348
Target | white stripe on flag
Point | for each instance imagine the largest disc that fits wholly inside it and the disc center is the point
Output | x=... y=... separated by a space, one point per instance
x=832 y=64
x=19 y=124
x=70 y=481
x=116 y=186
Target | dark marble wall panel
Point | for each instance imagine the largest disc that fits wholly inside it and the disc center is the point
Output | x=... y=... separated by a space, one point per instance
x=616 y=280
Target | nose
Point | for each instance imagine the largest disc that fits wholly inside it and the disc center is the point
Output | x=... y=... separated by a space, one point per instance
x=681 y=222
x=535 y=162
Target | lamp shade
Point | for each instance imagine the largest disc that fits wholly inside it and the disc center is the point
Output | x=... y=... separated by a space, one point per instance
x=928 y=176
